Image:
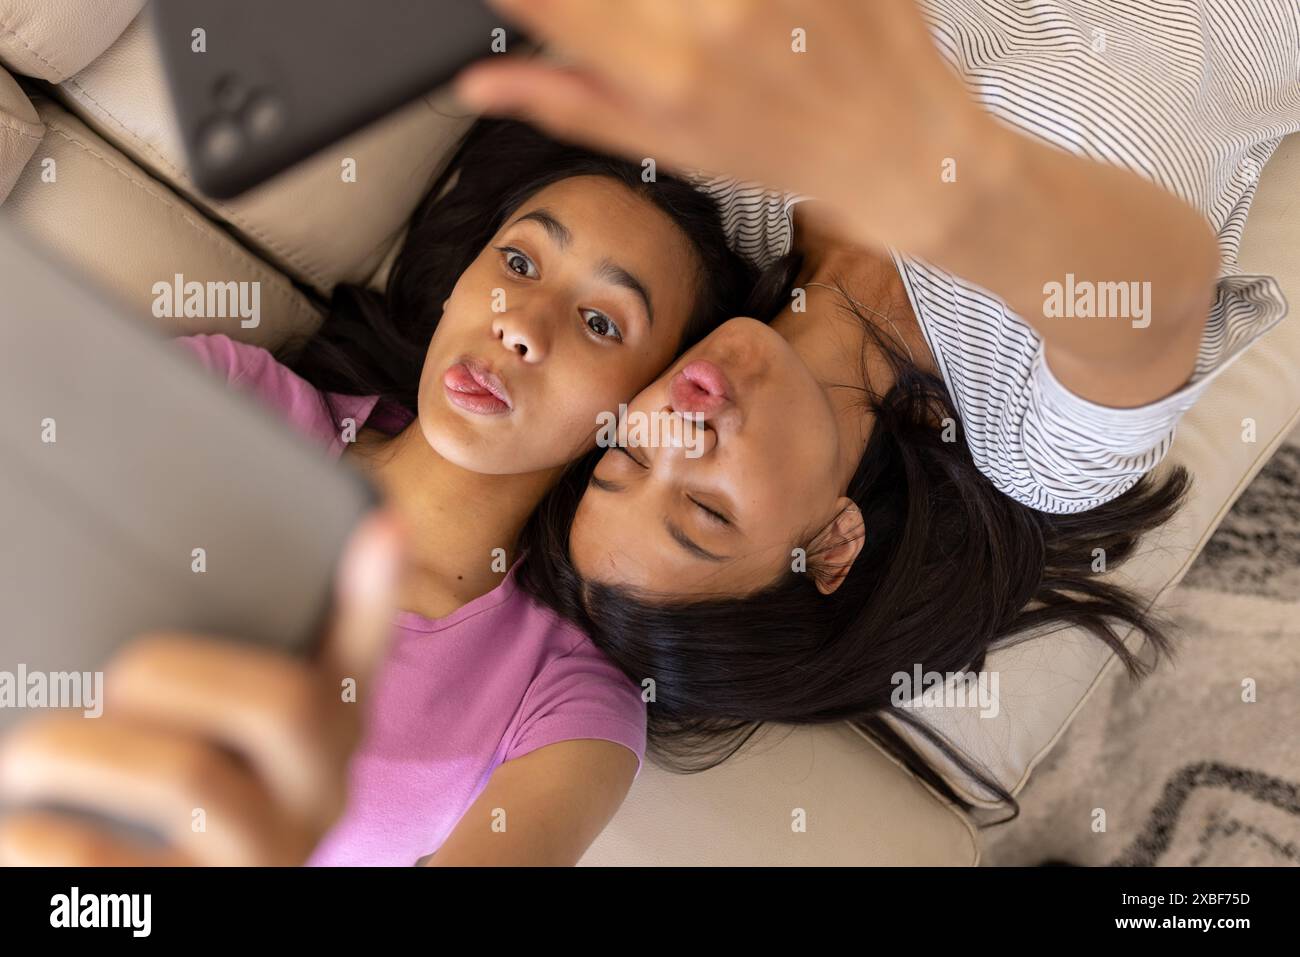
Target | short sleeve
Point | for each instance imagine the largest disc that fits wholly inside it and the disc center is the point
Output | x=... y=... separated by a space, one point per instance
x=1033 y=438
x=219 y=354
x=1082 y=454
x=580 y=695
x=758 y=221
x=252 y=370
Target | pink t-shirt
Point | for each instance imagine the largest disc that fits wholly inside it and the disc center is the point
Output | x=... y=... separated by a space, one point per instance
x=457 y=696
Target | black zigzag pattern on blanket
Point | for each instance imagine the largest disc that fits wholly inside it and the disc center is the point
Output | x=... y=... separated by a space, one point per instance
x=1154 y=840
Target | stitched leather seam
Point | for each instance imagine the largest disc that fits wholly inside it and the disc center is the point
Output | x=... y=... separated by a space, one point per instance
x=15 y=127
x=198 y=228
x=32 y=50
x=312 y=272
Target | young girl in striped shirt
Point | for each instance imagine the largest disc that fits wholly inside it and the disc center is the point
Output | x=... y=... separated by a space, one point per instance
x=924 y=454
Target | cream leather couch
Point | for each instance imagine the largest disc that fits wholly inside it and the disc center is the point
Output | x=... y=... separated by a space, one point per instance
x=90 y=165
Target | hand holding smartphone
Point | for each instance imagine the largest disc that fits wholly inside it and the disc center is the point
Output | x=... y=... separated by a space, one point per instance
x=210 y=751
x=140 y=496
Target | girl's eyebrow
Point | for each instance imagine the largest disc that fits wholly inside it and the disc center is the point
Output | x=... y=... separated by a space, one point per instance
x=616 y=274
x=559 y=233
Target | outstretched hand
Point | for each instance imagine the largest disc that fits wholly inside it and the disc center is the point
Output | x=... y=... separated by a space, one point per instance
x=848 y=102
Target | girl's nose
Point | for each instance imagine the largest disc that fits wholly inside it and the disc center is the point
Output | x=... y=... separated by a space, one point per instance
x=522 y=334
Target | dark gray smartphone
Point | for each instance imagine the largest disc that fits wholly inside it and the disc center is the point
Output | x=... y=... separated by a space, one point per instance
x=260 y=85
x=138 y=492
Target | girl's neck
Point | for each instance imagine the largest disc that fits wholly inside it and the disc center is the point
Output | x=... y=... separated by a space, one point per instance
x=836 y=345
x=462 y=527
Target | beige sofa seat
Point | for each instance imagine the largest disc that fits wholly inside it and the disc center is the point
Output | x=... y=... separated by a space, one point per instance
x=821 y=796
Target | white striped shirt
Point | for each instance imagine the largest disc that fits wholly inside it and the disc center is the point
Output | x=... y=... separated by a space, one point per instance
x=1193 y=95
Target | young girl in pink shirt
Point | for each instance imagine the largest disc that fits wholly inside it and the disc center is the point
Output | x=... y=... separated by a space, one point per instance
x=539 y=286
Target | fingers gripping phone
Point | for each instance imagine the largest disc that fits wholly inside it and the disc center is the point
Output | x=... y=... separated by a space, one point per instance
x=138 y=493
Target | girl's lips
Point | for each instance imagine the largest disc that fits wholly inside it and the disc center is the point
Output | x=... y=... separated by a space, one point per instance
x=700 y=387
x=471 y=386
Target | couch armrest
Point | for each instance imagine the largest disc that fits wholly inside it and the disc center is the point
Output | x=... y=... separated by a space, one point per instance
x=21 y=131
x=93 y=207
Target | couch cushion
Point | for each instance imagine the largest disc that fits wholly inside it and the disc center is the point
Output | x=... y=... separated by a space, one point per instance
x=1044 y=682
x=858 y=806
x=126 y=231
x=20 y=132
x=307 y=221
x=53 y=39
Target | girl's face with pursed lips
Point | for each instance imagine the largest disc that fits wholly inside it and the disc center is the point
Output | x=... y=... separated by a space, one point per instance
x=578 y=301
x=761 y=480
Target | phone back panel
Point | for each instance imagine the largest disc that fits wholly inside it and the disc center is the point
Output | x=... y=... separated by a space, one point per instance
x=125 y=466
x=277 y=81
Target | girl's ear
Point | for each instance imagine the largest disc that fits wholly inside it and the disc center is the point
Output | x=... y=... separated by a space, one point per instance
x=832 y=552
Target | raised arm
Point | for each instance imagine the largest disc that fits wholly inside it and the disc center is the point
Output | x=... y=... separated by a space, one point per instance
x=853 y=104
x=1036 y=216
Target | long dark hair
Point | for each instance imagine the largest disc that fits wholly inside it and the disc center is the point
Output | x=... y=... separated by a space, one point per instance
x=951 y=569
x=375 y=345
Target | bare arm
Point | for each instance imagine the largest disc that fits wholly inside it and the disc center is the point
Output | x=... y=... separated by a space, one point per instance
x=1035 y=214
x=542 y=809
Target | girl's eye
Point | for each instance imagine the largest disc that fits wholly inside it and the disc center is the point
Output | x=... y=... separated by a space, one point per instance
x=601 y=325
x=517 y=262
x=623 y=449
x=716 y=517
